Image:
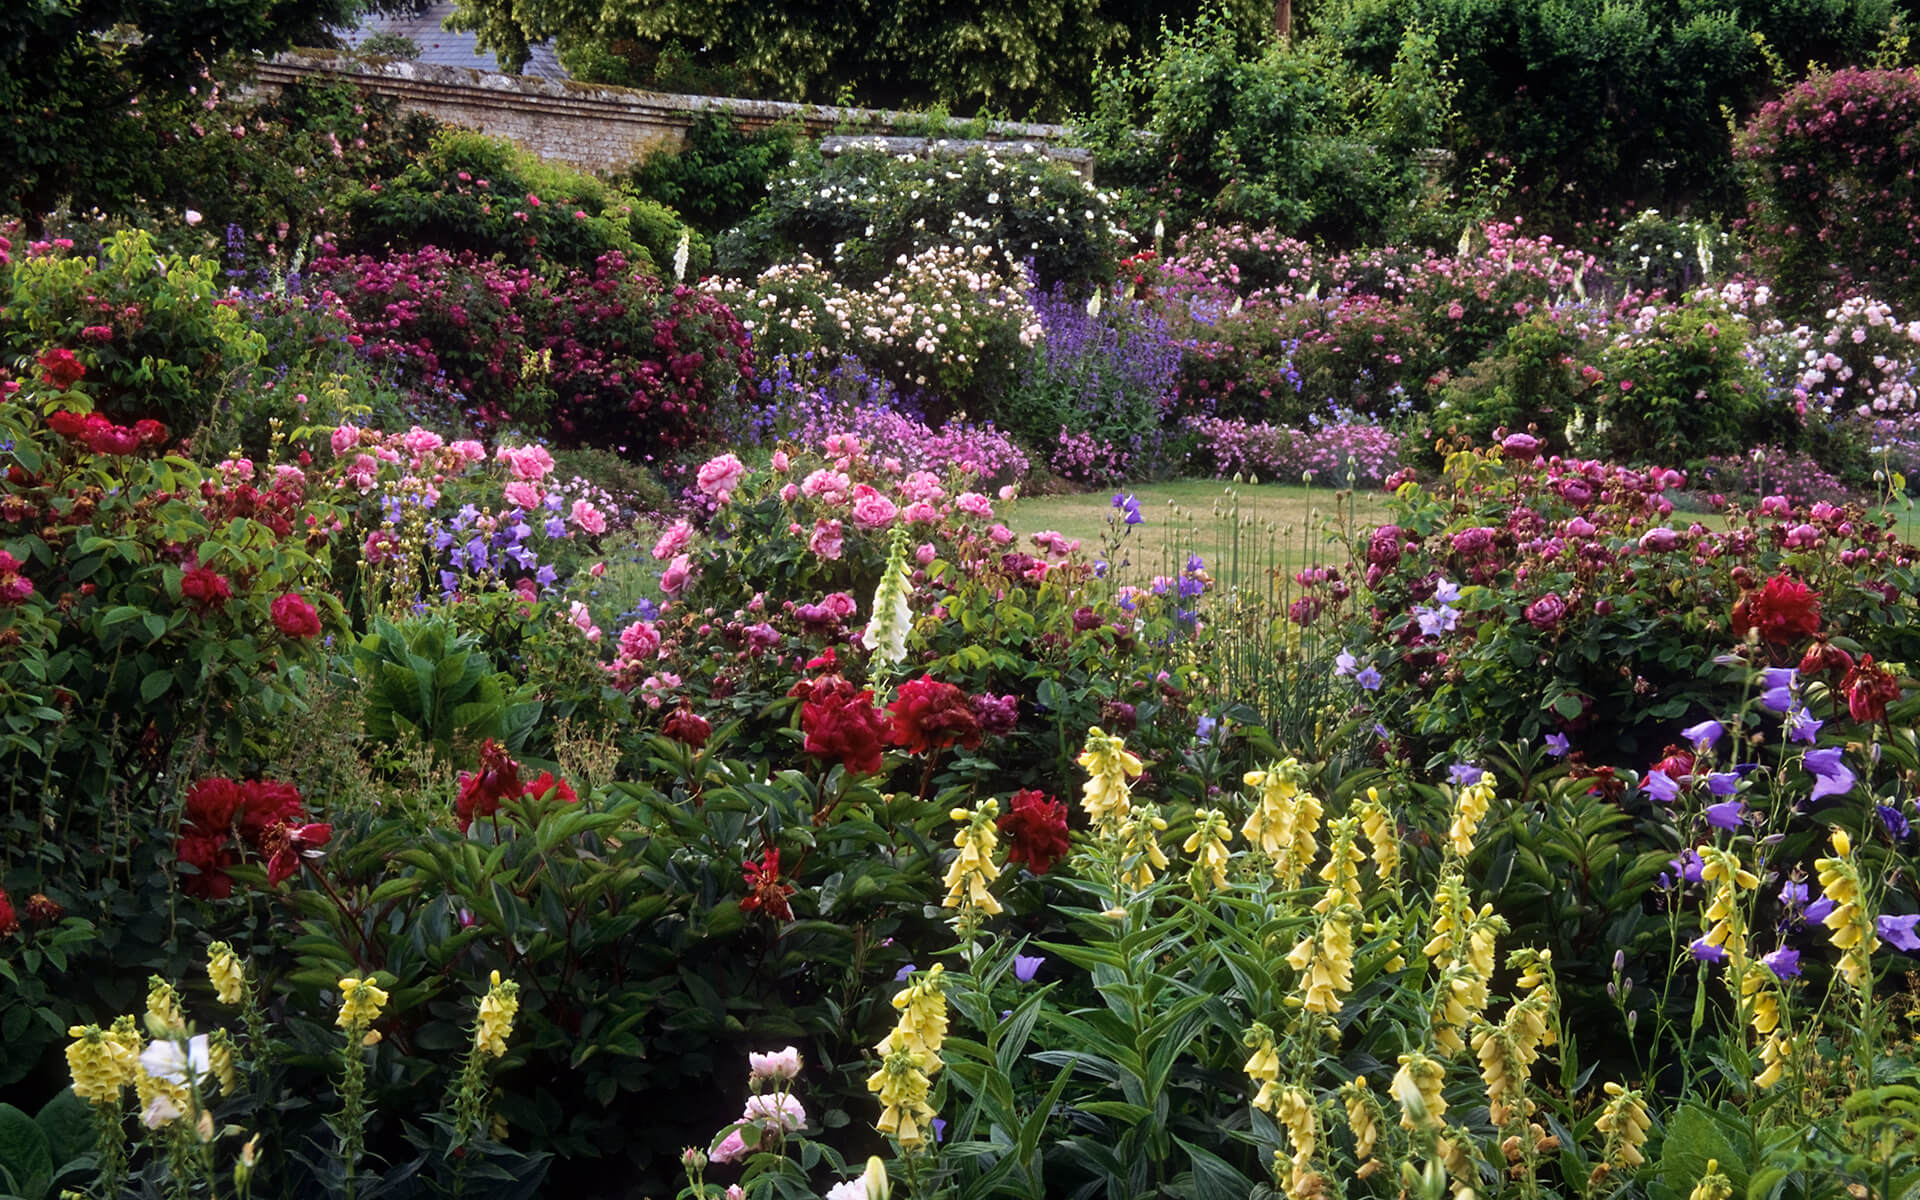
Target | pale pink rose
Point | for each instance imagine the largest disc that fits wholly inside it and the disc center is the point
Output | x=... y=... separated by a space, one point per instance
x=780 y=1065
x=587 y=517
x=674 y=579
x=975 y=505
x=840 y=604
x=286 y=475
x=235 y=470
x=345 y=438
x=843 y=445
x=582 y=620
x=730 y=1147
x=781 y=462
x=522 y=494
x=874 y=511
x=925 y=554
x=639 y=641
x=829 y=487
x=719 y=476
x=827 y=539
x=780 y=1110
x=526 y=462
x=921 y=513
x=1000 y=534
x=735 y=1192
x=674 y=540
x=469 y=450
x=362 y=472
x=1008 y=492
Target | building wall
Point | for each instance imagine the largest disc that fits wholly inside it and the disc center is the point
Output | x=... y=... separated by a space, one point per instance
x=593 y=127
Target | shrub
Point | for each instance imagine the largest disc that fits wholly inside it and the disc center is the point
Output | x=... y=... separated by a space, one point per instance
x=1831 y=204
x=147 y=329
x=1341 y=454
x=719 y=176
x=863 y=211
x=476 y=193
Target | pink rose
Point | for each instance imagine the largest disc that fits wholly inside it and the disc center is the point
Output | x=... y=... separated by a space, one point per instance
x=874 y=511
x=526 y=462
x=674 y=540
x=828 y=487
x=827 y=539
x=582 y=620
x=345 y=438
x=1547 y=612
x=1659 y=539
x=639 y=641
x=469 y=450
x=921 y=513
x=781 y=462
x=975 y=505
x=925 y=554
x=522 y=494
x=674 y=579
x=1000 y=534
x=790 y=493
x=589 y=518
x=719 y=476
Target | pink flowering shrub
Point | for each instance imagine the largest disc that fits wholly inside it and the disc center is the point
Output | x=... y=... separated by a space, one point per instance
x=1828 y=171
x=611 y=357
x=1332 y=454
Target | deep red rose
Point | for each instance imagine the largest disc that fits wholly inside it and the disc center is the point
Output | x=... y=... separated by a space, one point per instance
x=1823 y=656
x=546 y=787
x=842 y=724
x=1869 y=688
x=212 y=805
x=9 y=923
x=294 y=617
x=208 y=589
x=67 y=424
x=268 y=803
x=1035 y=827
x=286 y=846
x=687 y=727
x=150 y=432
x=1677 y=765
x=481 y=791
x=104 y=437
x=1783 y=610
x=207 y=854
x=765 y=892
x=61 y=369
x=929 y=715
x=43 y=910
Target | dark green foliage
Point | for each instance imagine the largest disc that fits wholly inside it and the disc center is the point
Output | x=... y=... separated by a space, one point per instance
x=719 y=176
x=421 y=680
x=1599 y=107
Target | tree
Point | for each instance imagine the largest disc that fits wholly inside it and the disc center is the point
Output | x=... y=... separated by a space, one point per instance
x=75 y=76
x=1027 y=57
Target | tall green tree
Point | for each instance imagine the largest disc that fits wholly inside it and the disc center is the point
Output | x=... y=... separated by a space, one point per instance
x=75 y=76
x=1025 y=57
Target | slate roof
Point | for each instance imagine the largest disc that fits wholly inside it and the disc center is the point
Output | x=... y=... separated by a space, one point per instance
x=443 y=48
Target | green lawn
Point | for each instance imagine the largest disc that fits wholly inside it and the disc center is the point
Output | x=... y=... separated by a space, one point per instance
x=1240 y=530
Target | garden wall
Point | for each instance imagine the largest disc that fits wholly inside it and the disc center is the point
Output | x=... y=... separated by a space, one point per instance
x=596 y=127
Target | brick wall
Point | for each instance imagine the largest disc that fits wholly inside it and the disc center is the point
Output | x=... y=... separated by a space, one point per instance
x=591 y=126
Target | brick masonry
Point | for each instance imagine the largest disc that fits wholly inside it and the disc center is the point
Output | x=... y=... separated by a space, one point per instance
x=595 y=127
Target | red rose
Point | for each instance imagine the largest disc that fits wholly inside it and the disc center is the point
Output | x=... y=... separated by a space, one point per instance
x=206 y=853
x=207 y=589
x=294 y=617
x=15 y=590
x=687 y=727
x=287 y=846
x=842 y=724
x=268 y=803
x=67 y=424
x=1869 y=688
x=61 y=369
x=1677 y=765
x=150 y=432
x=481 y=791
x=1783 y=610
x=765 y=892
x=104 y=437
x=546 y=787
x=213 y=803
x=1035 y=827
x=929 y=715
x=1823 y=656
x=9 y=923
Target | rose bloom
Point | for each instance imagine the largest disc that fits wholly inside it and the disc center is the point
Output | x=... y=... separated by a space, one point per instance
x=1035 y=827
x=1783 y=610
x=207 y=589
x=719 y=476
x=974 y=505
x=589 y=518
x=294 y=617
x=1546 y=613
x=827 y=539
x=674 y=579
x=930 y=715
x=674 y=540
x=842 y=724
x=639 y=642
x=531 y=463
x=1869 y=688
x=873 y=511
x=522 y=494
x=687 y=727
x=61 y=369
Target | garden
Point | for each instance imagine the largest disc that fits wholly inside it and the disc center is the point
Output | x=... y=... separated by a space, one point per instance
x=1281 y=670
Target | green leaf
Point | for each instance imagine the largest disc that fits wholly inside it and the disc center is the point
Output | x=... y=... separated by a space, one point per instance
x=155 y=685
x=24 y=1153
